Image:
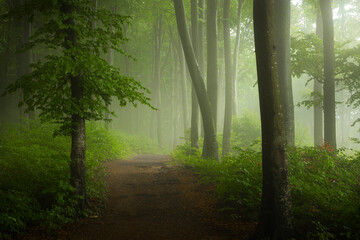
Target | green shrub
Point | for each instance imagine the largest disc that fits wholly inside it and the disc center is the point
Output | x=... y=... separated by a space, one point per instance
x=325 y=187
x=246 y=131
x=35 y=175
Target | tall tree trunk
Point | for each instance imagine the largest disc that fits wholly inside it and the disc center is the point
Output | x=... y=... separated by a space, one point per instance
x=329 y=71
x=212 y=64
x=157 y=92
x=318 y=91
x=228 y=81
x=201 y=57
x=282 y=41
x=275 y=220
x=221 y=86
x=20 y=58
x=184 y=95
x=236 y=58
x=28 y=58
x=78 y=137
x=110 y=60
x=194 y=101
x=174 y=95
x=211 y=150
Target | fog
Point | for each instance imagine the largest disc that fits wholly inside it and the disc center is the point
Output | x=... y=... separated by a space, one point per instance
x=167 y=94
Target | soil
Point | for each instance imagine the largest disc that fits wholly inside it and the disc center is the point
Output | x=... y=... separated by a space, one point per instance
x=150 y=199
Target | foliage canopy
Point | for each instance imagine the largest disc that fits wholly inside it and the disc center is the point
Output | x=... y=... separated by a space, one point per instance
x=47 y=87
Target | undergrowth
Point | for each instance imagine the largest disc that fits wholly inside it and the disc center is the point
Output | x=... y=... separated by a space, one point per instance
x=325 y=187
x=35 y=185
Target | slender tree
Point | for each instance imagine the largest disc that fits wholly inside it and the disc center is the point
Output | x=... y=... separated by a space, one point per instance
x=236 y=57
x=282 y=42
x=210 y=149
x=194 y=101
x=275 y=218
x=184 y=93
x=318 y=91
x=329 y=71
x=156 y=85
x=201 y=57
x=212 y=56
x=228 y=80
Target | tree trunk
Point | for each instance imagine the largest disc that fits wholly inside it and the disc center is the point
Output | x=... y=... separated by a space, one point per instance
x=236 y=58
x=157 y=92
x=110 y=60
x=212 y=64
x=174 y=95
x=275 y=220
x=329 y=71
x=318 y=91
x=184 y=95
x=194 y=101
x=78 y=137
x=282 y=41
x=21 y=58
x=228 y=81
x=211 y=150
x=201 y=57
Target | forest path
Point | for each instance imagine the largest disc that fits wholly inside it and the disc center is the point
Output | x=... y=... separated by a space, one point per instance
x=148 y=199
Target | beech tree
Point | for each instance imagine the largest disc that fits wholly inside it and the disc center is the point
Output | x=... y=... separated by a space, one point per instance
x=276 y=216
x=236 y=57
x=210 y=148
x=329 y=72
x=282 y=41
x=212 y=56
x=318 y=93
x=194 y=101
x=229 y=85
x=75 y=83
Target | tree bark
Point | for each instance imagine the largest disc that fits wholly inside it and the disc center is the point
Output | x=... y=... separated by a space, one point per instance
x=228 y=81
x=329 y=71
x=275 y=220
x=194 y=101
x=212 y=64
x=282 y=41
x=78 y=136
x=211 y=150
x=318 y=90
x=236 y=58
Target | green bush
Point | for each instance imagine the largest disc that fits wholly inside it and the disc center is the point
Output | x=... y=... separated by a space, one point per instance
x=325 y=187
x=246 y=131
x=35 y=173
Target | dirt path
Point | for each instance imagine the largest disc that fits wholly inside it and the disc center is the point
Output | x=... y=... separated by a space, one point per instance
x=150 y=200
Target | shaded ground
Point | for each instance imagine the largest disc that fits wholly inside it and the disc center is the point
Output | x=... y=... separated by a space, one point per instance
x=151 y=200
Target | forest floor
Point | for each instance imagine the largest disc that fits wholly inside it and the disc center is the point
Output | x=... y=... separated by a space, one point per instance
x=150 y=199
